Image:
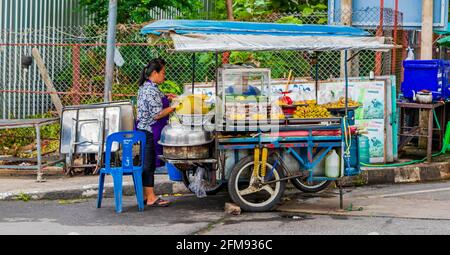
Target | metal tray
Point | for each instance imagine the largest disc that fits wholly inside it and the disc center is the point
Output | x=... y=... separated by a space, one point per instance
x=127 y=118
x=87 y=127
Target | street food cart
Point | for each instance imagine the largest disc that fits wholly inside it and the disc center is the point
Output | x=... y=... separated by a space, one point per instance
x=254 y=143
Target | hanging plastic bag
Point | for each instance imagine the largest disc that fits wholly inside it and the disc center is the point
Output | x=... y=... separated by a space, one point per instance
x=118 y=59
x=410 y=54
x=198 y=185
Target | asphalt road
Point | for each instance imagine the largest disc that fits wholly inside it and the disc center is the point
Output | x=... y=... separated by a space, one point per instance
x=189 y=215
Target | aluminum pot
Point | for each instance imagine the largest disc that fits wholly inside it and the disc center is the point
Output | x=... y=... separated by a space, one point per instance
x=182 y=136
x=185 y=142
x=187 y=152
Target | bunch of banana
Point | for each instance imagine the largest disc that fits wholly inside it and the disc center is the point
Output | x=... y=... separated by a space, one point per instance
x=259 y=116
x=311 y=112
x=236 y=116
x=277 y=116
x=341 y=104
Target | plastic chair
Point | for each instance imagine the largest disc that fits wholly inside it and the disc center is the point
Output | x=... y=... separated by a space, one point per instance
x=126 y=140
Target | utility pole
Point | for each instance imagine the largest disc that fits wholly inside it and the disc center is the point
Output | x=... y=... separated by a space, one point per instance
x=346 y=20
x=426 y=53
x=427 y=30
x=110 y=50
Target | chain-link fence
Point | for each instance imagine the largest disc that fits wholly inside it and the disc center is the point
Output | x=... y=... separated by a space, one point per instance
x=75 y=59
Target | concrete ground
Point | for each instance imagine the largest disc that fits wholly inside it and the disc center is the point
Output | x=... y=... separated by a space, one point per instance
x=386 y=210
x=76 y=187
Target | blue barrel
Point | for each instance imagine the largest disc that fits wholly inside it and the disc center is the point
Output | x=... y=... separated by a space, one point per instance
x=364 y=149
x=174 y=174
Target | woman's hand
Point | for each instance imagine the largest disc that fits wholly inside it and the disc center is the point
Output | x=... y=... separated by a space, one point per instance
x=164 y=113
x=171 y=97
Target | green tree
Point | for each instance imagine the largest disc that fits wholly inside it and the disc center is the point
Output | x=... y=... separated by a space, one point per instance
x=252 y=9
x=138 y=11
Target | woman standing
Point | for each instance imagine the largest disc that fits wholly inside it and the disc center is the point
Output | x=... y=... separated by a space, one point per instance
x=153 y=114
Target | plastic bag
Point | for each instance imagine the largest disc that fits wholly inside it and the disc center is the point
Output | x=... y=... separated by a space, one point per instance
x=118 y=59
x=410 y=54
x=198 y=185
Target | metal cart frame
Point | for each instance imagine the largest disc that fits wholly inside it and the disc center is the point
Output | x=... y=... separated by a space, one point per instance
x=37 y=124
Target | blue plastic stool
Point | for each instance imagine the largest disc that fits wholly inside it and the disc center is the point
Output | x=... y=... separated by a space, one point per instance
x=126 y=140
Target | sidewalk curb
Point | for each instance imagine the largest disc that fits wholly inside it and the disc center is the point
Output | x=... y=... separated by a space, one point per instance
x=90 y=191
x=438 y=171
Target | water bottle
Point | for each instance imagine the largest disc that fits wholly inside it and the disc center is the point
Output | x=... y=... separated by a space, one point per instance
x=332 y=165
x=364 y=149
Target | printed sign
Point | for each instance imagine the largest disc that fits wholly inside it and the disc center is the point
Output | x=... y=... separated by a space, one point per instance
x=370 y=94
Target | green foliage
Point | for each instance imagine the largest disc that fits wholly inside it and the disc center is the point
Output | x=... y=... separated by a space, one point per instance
x=23 y=197
x=137 y=11
x=171 y=87
x=12 y=140
x=289 y=20
x=253 y=10
x=278 y=62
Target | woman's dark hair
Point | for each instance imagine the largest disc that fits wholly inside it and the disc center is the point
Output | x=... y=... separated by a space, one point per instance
x=156 y=64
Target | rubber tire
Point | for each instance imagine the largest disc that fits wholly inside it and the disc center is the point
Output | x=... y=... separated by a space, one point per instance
x=235 y=197
x=211 y=192
x=310 y=190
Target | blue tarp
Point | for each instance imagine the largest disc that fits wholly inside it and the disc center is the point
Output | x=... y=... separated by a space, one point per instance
x=248 y=28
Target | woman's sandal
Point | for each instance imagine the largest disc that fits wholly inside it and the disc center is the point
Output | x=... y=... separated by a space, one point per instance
x=160 y=203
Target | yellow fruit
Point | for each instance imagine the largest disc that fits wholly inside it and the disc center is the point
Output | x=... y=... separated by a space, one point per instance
x=279 y=116
x=258 y=117
x=193 y=104
x=311 y=112
x=237 y=116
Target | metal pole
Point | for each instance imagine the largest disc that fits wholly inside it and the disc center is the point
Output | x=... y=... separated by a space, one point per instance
x=317 y=75
x=346 y=82
x=110 y=49
x=193 y=72
x=39 y=154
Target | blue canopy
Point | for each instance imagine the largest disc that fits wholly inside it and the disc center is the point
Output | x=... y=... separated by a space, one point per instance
x=207 y=36
x=247 y=28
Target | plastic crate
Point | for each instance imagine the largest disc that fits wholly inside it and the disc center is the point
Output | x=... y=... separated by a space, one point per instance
x=429 y=75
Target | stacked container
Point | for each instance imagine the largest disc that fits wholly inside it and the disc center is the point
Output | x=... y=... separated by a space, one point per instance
x=429 y=75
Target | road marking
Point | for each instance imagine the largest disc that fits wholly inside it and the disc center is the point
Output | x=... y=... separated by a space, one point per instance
x=73 y=234
x=411 y=193
x=373 y=234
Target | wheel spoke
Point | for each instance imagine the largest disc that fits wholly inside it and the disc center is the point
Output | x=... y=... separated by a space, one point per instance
x=268 y=189
x=248 y=191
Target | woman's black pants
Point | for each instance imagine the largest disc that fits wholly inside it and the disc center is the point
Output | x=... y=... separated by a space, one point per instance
x=148 y=175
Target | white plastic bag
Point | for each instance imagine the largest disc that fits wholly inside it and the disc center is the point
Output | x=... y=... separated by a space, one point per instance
x=410 y=54
x=198 y=185
x=118 y=59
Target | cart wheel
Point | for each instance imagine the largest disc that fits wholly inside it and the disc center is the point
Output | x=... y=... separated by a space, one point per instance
x=249 y=192
x=308 y=187
x=214 y=184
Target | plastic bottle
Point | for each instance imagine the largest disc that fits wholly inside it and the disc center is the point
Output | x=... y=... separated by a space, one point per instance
x=364 y=149
x=332 y=165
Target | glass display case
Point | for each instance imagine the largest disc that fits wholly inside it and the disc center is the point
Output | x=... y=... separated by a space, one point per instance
x=244 y=94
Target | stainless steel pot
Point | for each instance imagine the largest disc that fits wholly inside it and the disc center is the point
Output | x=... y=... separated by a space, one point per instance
x=187 y=152
x=180 y=136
